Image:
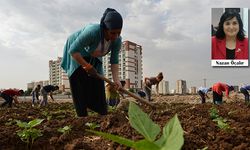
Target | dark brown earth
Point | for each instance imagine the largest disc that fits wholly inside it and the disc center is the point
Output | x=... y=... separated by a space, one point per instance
x=199 y=129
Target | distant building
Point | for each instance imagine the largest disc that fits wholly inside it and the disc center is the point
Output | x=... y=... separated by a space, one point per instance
x=57 y=75
x=130 y=65
x=31 y=85
x=173 y=91
x=193 y=90
x=181 y=87
x=163 y=88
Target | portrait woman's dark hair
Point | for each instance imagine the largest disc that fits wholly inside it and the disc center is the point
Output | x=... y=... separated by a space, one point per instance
x=228 y=15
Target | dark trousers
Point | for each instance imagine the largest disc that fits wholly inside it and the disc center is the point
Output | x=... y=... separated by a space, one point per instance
x=217 y=98
x=35 y=96
x=87 y=92
x=246 y=94
x=202 y=95
x=8 y=99
x=147 y=90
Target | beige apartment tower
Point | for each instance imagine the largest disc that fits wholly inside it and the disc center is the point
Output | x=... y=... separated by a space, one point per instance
x=57 y=75
x=181 y=87
x=193 y=90
x=33 y=84
x=130 y=65
x=163 y=87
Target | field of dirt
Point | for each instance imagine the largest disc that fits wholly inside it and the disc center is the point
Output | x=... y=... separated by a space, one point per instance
x=200 y=131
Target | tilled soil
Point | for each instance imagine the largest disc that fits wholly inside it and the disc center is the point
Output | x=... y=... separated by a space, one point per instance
x=200 y=130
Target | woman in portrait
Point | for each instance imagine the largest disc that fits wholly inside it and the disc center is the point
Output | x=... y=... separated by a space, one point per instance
x=229 y=41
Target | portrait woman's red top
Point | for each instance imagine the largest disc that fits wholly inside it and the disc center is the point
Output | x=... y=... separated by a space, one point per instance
x=219 y=48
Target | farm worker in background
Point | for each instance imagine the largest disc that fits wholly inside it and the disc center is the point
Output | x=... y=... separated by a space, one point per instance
x=217 y=89
x=148 y=82
x=244 y=90
x=82 y=60
x=48 y=89
x=35 y=94
x=202 y=91
x=112 y=95
x=10 y=95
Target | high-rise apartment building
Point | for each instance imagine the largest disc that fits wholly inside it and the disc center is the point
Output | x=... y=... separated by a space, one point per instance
x=181 y=87
x=130 y=65
x=33 y=84
x=57 y=75
x=163 y=88
x=193 y=90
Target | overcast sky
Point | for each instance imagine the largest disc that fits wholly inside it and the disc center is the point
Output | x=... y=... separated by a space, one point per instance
x=174 y=34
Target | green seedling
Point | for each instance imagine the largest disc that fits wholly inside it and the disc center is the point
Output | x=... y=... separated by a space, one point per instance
x=47 y=115
x=111 y=109
x=10 y=122
x=65 y=130
x=92 y=113
x=171 y=137
x=213 y=113
x=222 y=123
x=92 y=125
x=29 y=134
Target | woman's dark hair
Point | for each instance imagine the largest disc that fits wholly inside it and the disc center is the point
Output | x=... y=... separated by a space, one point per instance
x=21 y=92
x=228 y=15
x=231 y=88
x=57 y=87
x=160 y=76
x=123 y=83
x=111 y=19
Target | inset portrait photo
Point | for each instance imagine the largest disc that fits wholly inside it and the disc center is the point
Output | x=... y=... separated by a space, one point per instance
x=229 y=38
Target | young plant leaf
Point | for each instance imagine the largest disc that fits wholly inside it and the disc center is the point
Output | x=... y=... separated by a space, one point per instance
x=146 y=145
x=141 y=122
x=65 y=129
x=114 y=138
x=172 y=137
x=35 y=122
x=92 y=125
x=22 y=124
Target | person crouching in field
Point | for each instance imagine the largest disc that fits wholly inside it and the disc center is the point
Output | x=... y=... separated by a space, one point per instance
x=202 y=91
x=48 y=89
x=217 y=89
x=35 y=94
x=112 y=95
x=152 y=81
x=10 y=95
x=244 y=90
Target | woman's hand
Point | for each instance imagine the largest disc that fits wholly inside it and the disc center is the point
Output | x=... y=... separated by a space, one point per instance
x=118 y=84
x=90 y=70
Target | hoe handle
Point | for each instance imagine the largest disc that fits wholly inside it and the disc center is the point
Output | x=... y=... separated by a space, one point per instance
x=126 y=91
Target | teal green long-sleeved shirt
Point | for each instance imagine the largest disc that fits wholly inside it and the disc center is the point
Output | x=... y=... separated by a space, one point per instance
x=85 y=41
